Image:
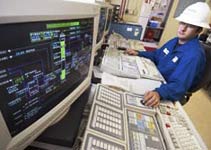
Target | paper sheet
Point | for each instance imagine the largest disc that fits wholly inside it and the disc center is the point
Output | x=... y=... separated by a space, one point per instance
x=138 y=86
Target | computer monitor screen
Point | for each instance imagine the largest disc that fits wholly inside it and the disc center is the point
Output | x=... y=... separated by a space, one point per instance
x=102 y=21
x=40 y=64
x=108 y=23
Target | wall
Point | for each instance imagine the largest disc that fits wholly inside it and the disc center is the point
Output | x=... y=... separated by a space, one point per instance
x=198 y=109
x=116 y=2
x=170 y=30
x=84 y=1
x=208 y=2
x=135 y=6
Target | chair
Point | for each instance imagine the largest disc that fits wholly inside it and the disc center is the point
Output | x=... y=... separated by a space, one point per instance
x=206 y=77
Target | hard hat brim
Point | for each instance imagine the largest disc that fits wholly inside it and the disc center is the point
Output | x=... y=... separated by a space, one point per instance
x=199 y=24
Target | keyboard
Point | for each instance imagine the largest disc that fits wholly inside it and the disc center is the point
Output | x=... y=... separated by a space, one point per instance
x=113 y=122
x=148 y=69
x=143 y=131
x=129 y=66
x=132 y=100
x=118 y=120
x=136 y=45
x=178 y=130
x=94 y=142
x=116 y=63
x=117 y=41
x=110 y=97
x=108 y=121
x=111 y=59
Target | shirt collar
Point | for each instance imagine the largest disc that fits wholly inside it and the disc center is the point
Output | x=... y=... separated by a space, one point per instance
x=182 y=46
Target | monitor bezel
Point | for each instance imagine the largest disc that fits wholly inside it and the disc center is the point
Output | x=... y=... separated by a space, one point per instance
x=107 y=31
x=99 y=43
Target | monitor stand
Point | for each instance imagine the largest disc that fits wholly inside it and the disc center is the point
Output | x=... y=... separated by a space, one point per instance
x=62 y=135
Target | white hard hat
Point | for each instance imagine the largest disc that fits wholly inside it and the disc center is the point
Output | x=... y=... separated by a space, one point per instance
x=197 y=14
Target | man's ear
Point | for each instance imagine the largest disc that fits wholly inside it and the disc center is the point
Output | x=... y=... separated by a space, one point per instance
x=199 y=30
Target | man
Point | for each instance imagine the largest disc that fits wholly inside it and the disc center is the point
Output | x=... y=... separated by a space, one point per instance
x=181 y=60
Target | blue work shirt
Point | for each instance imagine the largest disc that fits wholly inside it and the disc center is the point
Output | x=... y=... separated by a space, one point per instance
x=181 y=66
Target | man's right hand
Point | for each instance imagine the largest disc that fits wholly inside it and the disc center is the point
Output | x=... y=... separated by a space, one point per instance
x=151 y=98
x=131 y=52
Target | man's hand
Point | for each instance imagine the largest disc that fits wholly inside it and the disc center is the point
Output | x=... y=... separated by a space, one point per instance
x=131 y=52
x=152 y=99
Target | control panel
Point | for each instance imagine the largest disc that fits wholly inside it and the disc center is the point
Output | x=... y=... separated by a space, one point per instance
x=116 y=116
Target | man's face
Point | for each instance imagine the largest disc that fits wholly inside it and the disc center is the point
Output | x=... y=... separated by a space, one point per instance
x=187 y=31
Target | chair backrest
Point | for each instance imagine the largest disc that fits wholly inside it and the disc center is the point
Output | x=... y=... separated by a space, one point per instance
x=206 y=77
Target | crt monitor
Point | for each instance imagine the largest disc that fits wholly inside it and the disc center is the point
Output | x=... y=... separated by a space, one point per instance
x=100 y=1
x=45 y=64
x=101 y=26
x=109 y=19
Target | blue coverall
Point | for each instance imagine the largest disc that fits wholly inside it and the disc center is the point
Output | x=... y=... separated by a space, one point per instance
x=181 y=66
